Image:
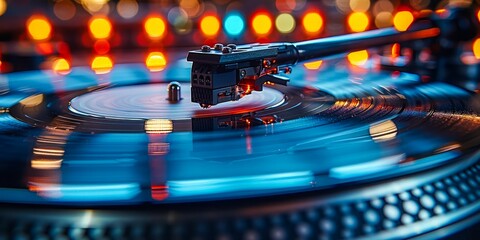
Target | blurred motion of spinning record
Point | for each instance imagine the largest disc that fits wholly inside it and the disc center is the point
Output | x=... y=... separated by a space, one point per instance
x=383 y=151
x=374 y=141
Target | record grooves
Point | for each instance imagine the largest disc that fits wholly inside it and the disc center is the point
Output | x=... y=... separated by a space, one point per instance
x=333 y=159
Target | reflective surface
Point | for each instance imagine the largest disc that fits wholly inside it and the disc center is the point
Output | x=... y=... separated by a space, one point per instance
x=340 y=126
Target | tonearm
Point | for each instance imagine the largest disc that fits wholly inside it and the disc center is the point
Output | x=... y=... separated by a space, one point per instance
x=225 y=73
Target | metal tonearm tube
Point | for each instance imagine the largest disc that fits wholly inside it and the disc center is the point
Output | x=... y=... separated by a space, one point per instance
x=227 y=73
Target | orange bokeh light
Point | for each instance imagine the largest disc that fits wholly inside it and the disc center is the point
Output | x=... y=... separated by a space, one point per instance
x=39 y=28
x=102 y=64
x=313 y=65
x=262 y=24
x=156 y=61
x=312 y=22
x=402 y=20
x=100 y=27
x=210 y=25
x=155 y=27
x=476 y=48
x=61 y=66
x=478 y=15
x=358 y=21
x=395 y=50
x=358 y=58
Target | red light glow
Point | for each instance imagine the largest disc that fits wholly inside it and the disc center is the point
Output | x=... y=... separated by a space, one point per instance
x=101 y=46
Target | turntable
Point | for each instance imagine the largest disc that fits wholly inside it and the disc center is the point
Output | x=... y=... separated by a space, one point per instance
x=378 y=139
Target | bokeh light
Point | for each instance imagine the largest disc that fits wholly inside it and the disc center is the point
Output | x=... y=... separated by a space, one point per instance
x=210 y=25
x=100 y=27
x=402 y=20
x=476 y=48
x=419 y=4
x=312 y=22
x=313 y=65
x=289 y=5
x=262 y=24
x=285 y=5
x=234 y=24
x=395 y=50
x=192 y=7
x=478 y=15
x=358 y=58
x=358 y=21
x=155 y=61
x=39 y=28
x=94 y=6
x=359 y=5
x=285 y=23
x=3 y=7
x=61 y=66
x=155 y=27
x=101 y=46
x=102 y=64
x=383 y=19
x=64 y=9
x=382 y=6
x=127 y=8
x=343 y=6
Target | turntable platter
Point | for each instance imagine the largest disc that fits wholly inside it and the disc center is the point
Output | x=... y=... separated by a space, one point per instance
x=88 y=141
x=345 y=128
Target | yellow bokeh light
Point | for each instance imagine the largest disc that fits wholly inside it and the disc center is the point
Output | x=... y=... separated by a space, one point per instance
x=39 y=28
x=358 y=21
x=285 y=23
x=156 y=61
x=210 y=25
x=476 y=48
x=358 y=58
x=155 y=27
x=312 y=22
x=262 y=24
x=3 y=7
x=100 y=27
x=102 y=64
x=478 y=15
x=313 y=65
x=61 y=66
x=359 y=5
x=402 y=20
